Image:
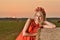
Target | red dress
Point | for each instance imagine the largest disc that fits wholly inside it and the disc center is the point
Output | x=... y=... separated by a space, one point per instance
x=32 y=29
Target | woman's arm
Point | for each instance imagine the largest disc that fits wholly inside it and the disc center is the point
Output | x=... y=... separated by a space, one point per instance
x=26 y=27
x=49 y=25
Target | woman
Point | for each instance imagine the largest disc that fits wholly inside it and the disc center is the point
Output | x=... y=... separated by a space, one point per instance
x=32 y=25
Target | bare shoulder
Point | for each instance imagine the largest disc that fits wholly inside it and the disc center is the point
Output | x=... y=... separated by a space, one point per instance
x=27 y=23
x=28 y=20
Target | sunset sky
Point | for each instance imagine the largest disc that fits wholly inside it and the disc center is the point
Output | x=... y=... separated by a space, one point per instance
x=25 y=8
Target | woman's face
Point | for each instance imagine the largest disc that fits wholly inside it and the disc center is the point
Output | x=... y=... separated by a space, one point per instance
x=39 y=17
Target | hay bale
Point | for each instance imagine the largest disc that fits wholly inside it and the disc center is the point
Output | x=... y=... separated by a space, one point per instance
x=48 y=34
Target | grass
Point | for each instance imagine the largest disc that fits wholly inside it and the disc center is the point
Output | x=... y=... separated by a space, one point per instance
x=9 y=29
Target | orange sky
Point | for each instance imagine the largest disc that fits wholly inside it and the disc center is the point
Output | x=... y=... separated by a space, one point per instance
x=25 y=8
